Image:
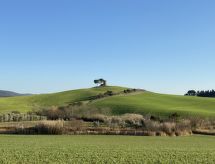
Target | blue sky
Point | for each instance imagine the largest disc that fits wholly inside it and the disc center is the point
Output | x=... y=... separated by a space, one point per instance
x=163 y=46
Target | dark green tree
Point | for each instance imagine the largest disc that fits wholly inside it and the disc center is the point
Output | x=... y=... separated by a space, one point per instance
x=100 y=82
x=191 y=93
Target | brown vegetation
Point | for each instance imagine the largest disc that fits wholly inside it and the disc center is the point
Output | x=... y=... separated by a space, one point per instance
x=82 y=119
x=16 y=117
x=128 y=124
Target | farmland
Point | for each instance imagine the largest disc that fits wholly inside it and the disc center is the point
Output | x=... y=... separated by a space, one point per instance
x=106 y=149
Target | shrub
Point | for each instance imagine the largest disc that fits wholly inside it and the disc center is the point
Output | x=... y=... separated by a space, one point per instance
x=196 y=122
x=174 y=116
x=129 y=90
x=183 y=125
x=115 y=121
x=75 y=124
x=50 y=127
x=79 y=112
x=133 y=120
x=99 y=117
x=168 y=127
x=126 y=120
x=151 y=125
x=96 y=124
x=109 y=93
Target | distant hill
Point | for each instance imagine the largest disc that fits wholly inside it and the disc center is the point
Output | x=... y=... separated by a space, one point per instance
x=10 y=94
x=142 y=102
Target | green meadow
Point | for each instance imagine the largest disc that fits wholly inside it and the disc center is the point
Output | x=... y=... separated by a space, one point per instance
x=27 y=103
x=159 y=104
x=142 y=102
x=106 y=149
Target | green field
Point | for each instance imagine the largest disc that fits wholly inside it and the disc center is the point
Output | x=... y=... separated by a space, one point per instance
x=141 y=102
x=106 y=149
x=159 y=104
x=27 y=103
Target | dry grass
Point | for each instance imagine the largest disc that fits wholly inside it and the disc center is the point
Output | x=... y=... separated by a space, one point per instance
x=127 y=124
x=50 y=127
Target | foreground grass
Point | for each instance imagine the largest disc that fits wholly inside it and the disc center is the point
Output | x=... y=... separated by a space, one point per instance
x=106 y=149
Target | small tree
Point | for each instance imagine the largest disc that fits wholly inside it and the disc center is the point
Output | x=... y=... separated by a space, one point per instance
x=100 y=82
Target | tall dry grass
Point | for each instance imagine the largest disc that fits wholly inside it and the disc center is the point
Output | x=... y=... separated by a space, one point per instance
x=50 y=127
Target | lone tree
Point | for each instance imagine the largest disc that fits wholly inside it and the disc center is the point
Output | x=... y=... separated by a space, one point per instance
x=101 y=82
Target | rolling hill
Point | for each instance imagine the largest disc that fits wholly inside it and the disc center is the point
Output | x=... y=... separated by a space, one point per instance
x=159 y=104
x=8 y=93
x=139 y=102
x=27 y=103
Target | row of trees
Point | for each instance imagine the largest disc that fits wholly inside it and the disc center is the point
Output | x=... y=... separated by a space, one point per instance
x=208 y=93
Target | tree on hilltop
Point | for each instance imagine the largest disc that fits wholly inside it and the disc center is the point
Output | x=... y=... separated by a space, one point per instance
x=100 y=82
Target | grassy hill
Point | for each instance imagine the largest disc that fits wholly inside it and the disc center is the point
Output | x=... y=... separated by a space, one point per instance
x=140 y=102
x=8 y=94
x=159 y=104
x=27 y=103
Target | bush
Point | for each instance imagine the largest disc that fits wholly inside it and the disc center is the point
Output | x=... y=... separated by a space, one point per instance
x=133 y=120
x=74 y=112
x=168 y=127
x=109 y=93
x=50 y=127
x=174 y=116
x=150 y=125
x=196 y=122
x=126 y=120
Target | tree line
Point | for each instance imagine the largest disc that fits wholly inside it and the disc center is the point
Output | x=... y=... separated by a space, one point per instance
x=207 y=93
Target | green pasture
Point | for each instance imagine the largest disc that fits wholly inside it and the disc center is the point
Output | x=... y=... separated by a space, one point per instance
x=140 y=102
x=106 y=149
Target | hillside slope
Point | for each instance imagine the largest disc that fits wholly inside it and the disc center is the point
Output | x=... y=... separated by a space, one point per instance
x=140 y=102
x=27 y=103
x=159 y=104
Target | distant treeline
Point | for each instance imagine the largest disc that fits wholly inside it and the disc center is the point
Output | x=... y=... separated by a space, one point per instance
x=207 y=93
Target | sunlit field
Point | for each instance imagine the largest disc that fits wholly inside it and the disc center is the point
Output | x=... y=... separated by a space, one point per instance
x=106 y=149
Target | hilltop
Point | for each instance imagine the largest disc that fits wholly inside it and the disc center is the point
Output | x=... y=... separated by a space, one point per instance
x=142 y=102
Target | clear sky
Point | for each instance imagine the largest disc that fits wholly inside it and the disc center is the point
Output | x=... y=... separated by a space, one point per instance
x=165 y=46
